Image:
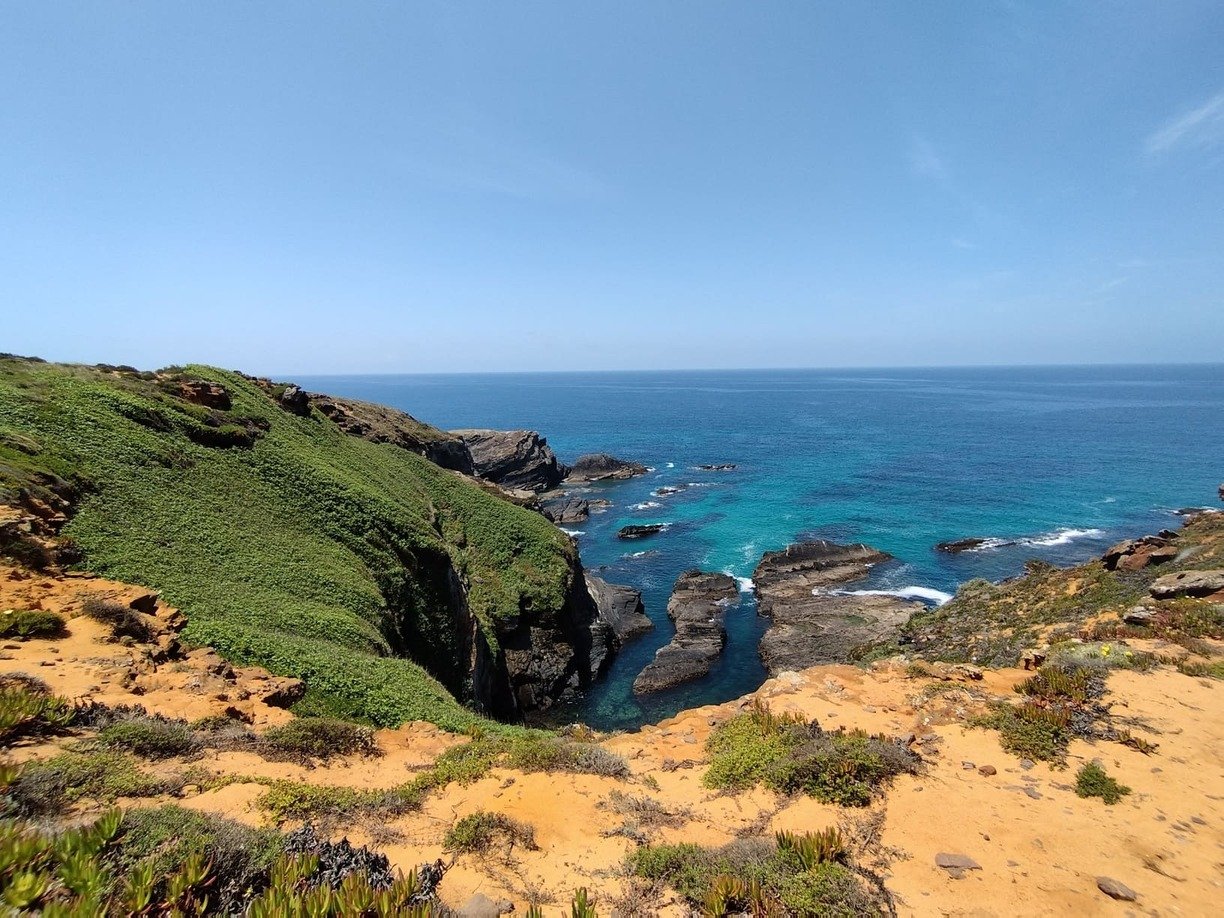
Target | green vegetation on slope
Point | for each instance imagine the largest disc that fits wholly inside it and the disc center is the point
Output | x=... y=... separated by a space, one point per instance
x=287 y=543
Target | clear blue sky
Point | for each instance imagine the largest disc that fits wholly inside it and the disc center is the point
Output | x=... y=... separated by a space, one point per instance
x=396 y=186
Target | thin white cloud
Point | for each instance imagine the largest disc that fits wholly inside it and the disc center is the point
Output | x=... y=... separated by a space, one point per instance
x=926 y=161
x=1202 y=127
x=962 y=243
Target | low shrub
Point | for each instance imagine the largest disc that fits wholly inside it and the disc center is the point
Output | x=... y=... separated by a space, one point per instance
x=26 y=709
x=800 y=875
x=477 y=832
x=1029 y=730
x=320 y=738
x=48 y=787
x=329 y=803
x=1092 y=781
x=152 y=737
x=122 y=620
x=1213 y=669
x=788 y=754
x=31 y=623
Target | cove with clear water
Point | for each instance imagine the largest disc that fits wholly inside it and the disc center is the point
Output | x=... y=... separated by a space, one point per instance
x=1059 y=461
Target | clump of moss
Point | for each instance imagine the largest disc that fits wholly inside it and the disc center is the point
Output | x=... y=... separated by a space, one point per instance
x=477 y=832
x=789 y=754
x=1093 y=781
x=30 y=623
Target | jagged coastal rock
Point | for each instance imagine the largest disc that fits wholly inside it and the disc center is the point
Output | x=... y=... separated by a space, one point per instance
x=1136 y=554
x=565 y=509
x=519 y=459
x=809 y=628
x=698 y=606
x=719 y=467
x=602 y=467
x=380 y=424
x=640 y=531
x=620 y=607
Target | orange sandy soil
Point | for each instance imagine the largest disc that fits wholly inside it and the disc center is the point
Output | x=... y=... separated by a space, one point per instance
x=1040 y=852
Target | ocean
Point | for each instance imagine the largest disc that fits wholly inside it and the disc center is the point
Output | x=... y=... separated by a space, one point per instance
x=1046 y=462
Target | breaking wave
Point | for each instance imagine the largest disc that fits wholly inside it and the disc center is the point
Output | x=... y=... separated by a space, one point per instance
x=926 y=594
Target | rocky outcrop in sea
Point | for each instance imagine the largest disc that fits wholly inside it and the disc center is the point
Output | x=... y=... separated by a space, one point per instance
x=698 y=607
x=602 y=467
x=565 y=508
x=809 y=626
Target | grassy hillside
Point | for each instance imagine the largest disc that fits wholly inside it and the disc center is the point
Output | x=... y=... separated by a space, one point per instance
x=288 y=543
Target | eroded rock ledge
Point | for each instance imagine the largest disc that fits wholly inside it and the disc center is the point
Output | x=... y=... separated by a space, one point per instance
x=809 y=627
x=698 y=606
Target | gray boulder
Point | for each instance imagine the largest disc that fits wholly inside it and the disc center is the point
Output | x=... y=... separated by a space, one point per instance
x=698 y=606
x=620 y=607
x=565 y=509
x=1187 y=583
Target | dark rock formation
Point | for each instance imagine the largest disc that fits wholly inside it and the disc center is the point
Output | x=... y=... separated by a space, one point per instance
x=565 y=509
x=956 y=546
x=720 y=467
x=602 y=467
x=1136 y=554
x=380 y=424
x=809 y=628
x=513 y=458
x=552 y=658
x=666 y=490
x=698 y=606
x=620 y=607
x=1187 y=583
x=640 y=532
x=295 y=400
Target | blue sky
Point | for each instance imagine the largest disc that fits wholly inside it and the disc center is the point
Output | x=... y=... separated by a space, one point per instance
x=453 y=186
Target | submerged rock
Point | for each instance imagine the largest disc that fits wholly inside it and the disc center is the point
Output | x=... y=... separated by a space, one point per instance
x=698 y=606
x=641 y=531
x=956 y=546
x=810 y=626
x=602 y=467
x=720 y=467
x=620 y=607
x=513 y=458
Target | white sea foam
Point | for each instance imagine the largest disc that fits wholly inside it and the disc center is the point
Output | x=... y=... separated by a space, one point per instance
x=1059 y=537
x=572 y=532
x=1063 y=537
x=927 y=594
x=646 y=505
x=640 y=554
x=671 y=465
x=745 y=584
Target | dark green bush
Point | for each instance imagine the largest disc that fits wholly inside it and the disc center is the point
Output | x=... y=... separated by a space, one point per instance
x=477 y=832
x=1092 y=781
x=122 y=620
x=50 y=787
x=789 y=755
x=31 y=623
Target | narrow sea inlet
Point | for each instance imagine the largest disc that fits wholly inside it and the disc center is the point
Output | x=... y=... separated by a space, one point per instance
x=1053 y=463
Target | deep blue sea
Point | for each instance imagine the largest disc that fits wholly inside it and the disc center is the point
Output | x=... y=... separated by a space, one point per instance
x=1061 y=460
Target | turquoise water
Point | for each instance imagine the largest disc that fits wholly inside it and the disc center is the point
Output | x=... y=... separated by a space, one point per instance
x=1063 y=461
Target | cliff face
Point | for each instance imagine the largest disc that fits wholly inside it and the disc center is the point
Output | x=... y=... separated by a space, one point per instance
x=293 y=537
